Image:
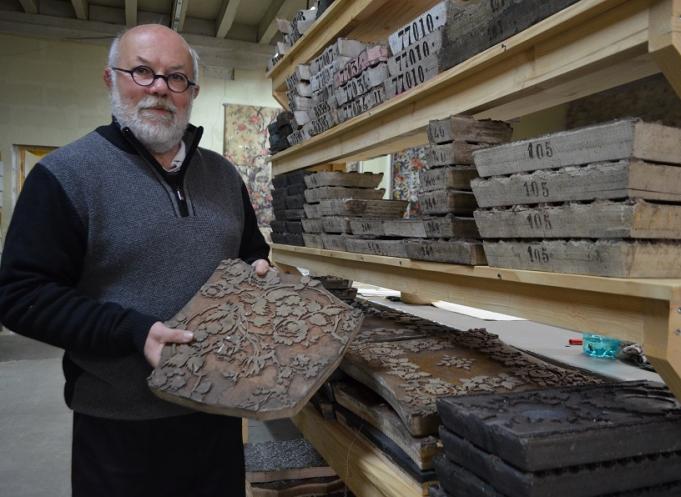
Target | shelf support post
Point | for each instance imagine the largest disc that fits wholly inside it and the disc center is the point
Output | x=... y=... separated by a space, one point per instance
x=664 y=39
x=662 y=339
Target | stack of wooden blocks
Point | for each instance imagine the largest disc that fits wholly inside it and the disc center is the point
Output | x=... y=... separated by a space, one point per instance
x=279 y=129
x=287 y=202
x=448 y=233
x=291 y=31
x=603 y=200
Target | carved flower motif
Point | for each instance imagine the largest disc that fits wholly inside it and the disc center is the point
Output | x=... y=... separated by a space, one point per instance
x=290 y=332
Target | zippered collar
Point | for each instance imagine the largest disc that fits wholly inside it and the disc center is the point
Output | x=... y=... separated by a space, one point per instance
x=124 y=139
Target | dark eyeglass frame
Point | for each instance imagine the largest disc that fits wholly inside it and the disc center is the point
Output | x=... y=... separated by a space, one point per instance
x=155 y=76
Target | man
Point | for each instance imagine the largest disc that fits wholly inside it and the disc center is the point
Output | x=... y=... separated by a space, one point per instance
x=112 y=235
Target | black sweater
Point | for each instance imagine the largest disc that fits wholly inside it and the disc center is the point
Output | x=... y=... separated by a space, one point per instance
x=103 y=243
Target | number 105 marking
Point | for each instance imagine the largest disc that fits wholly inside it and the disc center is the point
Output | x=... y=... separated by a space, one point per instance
x=539 y=150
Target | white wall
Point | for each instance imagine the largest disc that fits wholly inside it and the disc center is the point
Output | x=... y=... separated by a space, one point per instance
x=51 y=93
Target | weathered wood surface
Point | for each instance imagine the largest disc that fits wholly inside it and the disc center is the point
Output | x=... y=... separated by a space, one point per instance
x=325 y=76
x=325 y=95
x=295 y=138
x=308 y=487
x=288 y=238
x=312 y=225
x=333 y=282
x=362 y=104
x=361 y=84
x=607 y=180
x=432 y=19
x=321 y=124
x=337 y=178
x=294 y=214
x=405 y=228
x=446 y=201
x=323 y=108
x=363 y=226
x=419 y=73
x=279 y=201
x=312 y=211
x=624 y=139
x=645 y=416
x=303 y=89
x=465 y=252
x=295 y=189
x=343 y=47
x=295 y=201
x=339 y=192
x=334 y=242
x=467 y=128
x=600 y=219
x=296 y=102
x=411 y=374
x=363 y=208
x=313 y=240
x=412 y=55
x=616 y=258
x=300 y=73
x=454 y=153
x=450 y=226
x=294 y=226
x=442 y=178
x=368 y=57
x=336 y=224
x=388 y=248
x=262 y=345
x=278 y=226
x=365 y=404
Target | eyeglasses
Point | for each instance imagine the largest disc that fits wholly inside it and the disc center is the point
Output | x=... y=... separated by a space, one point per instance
x=145 y=76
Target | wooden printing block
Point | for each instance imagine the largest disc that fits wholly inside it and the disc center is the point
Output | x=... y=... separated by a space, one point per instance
x=294 y=226
x=387 y=248
x=340 y=192
x=294 y=214
x=278 y=226
x=465 y=252
x=322 y=108
x=385 y=445
x=454 y=153
x=414 y=54
x=456 y=177
x=422 y=26
x=312 y=225
x=337 y=178
x=363 y=208
x=578 y=425
x=368 y=57
x=624 y=139
x=326 y=94
x=469 y=129
x=450 y=226
x=296 y=103
x=600 y=219
x=436 y=491
x=335 y=224
x=404 y=228
x=279 y=214
x=411 y=374
x=614 y=258
x=297 y=177
x=262 y=345
x=346 y=294
x=361 y=84
x=604 y=478
x=367 y=227
x=295 y=201
x=342 y=47
x=279 y=182
x=296 y=189
x=334 y=242
x=463 y=483
x=312 y=211
x=295 y=138
x=446 y=201
x=313 y=240
x=284 y=460
x=295 y=239
x=303 y=117
x=325 y=76
x=629 y=178
x=321 y=124
x=278 y=202
x=368 y=406
x=417 y=74
x=330 y=486
x=362 y=104
x=300 y=73
x=279 y=193
x=333 y=282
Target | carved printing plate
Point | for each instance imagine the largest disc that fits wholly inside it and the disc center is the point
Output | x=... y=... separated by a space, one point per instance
x=262 y=346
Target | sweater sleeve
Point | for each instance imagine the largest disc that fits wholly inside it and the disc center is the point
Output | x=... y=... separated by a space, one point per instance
x=253 y=244
x=41 y=265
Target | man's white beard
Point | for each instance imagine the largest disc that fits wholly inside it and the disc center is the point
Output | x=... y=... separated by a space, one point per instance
x=158 y=133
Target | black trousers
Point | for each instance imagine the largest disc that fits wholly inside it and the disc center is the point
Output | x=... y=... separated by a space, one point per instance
x=198 y=455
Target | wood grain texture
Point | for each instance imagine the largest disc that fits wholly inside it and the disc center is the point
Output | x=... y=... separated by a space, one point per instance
x=451 y=251
x=441 y=178
x=468 y=129
x=446 y=201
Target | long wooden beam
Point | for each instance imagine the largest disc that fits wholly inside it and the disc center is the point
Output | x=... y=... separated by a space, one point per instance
x=131 y=13
x=29 y=6
x=267 y=27
x=225 y=19
x=81 y=8
x=179 y=14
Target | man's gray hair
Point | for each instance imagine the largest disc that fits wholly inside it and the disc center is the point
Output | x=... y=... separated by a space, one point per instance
x=113 y=55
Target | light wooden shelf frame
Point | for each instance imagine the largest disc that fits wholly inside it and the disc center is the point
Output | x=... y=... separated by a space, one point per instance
x=591 y=46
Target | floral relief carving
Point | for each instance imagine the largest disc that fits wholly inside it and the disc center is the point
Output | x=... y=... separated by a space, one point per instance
x=261 y=347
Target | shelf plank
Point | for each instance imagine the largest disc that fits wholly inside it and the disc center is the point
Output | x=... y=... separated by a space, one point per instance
x=364 y=468
x=364 y=20
x=590 y=46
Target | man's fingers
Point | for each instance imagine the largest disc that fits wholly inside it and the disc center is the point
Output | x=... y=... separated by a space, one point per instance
x=261 y=267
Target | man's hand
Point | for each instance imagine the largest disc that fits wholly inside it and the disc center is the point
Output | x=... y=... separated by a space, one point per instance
x=261 y=267
x=160 y=334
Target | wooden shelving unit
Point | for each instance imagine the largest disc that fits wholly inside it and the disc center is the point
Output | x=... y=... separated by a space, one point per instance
x=589 y=47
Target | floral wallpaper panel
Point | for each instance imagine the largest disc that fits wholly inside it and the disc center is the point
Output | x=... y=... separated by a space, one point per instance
x=246 y=146
x=406 y=166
